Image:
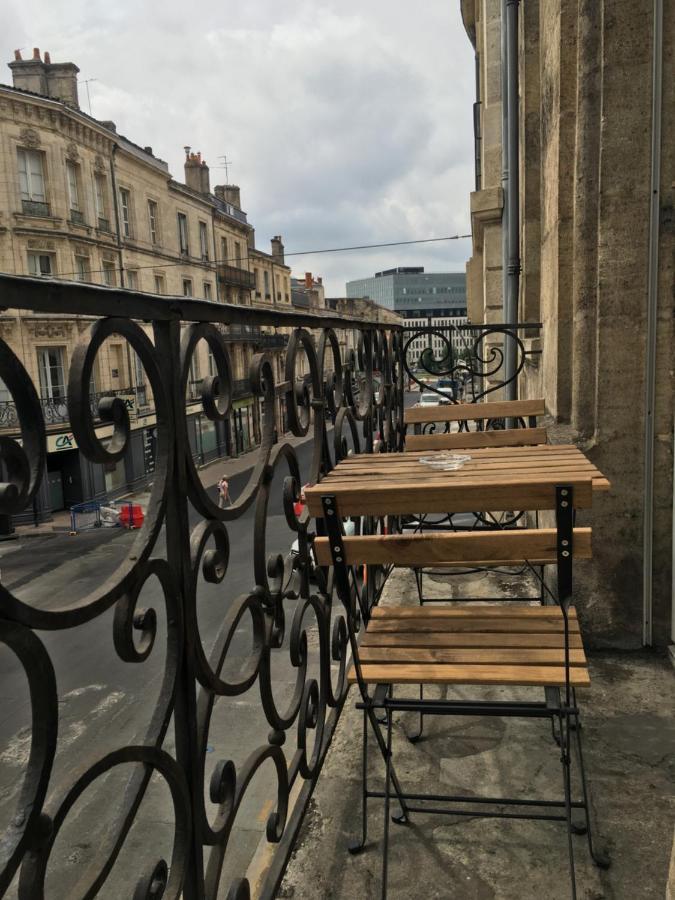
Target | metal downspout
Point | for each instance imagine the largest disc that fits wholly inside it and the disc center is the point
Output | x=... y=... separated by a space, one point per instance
x=505 y=162
x=512 y=200
x=652 y=315
x=118 y=232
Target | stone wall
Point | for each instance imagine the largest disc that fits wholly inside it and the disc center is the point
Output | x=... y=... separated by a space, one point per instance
x=586 y=89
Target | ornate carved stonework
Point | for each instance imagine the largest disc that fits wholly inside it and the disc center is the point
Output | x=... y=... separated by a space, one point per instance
x=72 y=152
x=46 y=328
x=30 y=138
x=99 y=164
x=7 y=327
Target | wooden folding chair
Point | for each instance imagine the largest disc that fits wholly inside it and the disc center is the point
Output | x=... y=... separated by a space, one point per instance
x=467 y=645
x=488 y=420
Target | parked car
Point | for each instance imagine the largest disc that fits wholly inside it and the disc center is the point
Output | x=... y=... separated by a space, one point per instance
x=429 y=399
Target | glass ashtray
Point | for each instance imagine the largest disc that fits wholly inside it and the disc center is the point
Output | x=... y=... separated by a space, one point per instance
x=445 y=462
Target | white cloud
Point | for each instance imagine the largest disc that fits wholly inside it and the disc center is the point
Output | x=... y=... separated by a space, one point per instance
x=347 y=122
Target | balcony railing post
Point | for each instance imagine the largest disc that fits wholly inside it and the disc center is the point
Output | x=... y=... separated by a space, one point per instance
x=167 y=341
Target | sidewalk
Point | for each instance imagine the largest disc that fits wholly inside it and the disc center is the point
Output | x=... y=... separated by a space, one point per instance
x=209 y=474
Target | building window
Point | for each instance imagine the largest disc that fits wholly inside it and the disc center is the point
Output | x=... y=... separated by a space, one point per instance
x=153 y=222
x=109 y=276
x=183 y=234
x=74 y=192
x=32 y=183
x=266 y=277
x=256 y=278
x=160 y=284
x=203 y=241
x=101 y=203
x=223 y=249
x=82 y=268
x=125 y=211
x=187 y=287
x=132 y=279
x=40 y=264
x=207 y=290
x=51 y=370
x=237 y=253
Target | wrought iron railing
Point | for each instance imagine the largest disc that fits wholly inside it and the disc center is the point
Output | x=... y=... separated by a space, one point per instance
x=77 y=216
x=235 y=276
x=34 y=208
x=279 y=693
x=465 y=363
x=55 y=409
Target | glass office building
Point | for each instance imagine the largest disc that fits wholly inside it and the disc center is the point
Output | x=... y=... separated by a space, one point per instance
x=414 y=293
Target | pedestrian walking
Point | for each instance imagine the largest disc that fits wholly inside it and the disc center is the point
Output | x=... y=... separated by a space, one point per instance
x=224 y=493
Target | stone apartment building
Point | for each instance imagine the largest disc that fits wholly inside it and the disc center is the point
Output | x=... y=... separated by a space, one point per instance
x=80 y=201
x=596 y=171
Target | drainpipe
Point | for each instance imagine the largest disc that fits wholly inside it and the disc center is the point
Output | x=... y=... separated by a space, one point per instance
x=505 y=161
x=118 y=231
x=512 y=200
x=652 y=312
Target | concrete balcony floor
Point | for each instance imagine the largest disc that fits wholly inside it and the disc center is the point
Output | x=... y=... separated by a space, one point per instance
x=629 y=744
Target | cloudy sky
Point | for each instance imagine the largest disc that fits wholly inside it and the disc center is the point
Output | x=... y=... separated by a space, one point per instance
x=346 y=122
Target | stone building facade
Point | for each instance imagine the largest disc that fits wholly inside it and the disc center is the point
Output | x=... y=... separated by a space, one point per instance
x=589 y=72
x=80 y=201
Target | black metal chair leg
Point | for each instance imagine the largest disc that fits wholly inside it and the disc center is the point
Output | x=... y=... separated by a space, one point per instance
x=413 y=738
x=402 y=816
x=600 y=857
x=565 y=760
x=418 y=582
x=355 y=845
x=385 y=843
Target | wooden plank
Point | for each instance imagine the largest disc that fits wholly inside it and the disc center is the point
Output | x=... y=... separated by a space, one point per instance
x=414 y=467
x=476 y=625
x=467 y=440
x=493 y=656
x=439 y=673
x=558 y=470
x=536 y=450
x=457 y=412
x=469 y=640
x=458 y=495
x=471 y=611
x=430 y=548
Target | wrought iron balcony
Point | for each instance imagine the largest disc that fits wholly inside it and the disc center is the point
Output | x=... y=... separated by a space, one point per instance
x=35 y=208
x=55 y=409
x=275 y=651
x=77 y=217
x=233 y=276
x=104 y=225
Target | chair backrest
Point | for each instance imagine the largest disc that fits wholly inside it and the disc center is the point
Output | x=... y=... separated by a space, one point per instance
x=482 y=413
x=469 y=412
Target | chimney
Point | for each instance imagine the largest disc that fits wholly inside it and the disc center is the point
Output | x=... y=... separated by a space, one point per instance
x=229 y=193
x=278 y=249
x=109 y=124
x=196 y=172
x=62 y=82
x=309 y=281
x=204 y=177
x=29 y=74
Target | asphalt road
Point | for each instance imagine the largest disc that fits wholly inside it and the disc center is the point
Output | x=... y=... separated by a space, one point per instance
x=105 y=703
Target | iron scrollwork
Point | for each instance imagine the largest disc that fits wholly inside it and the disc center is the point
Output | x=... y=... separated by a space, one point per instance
x=343 y=377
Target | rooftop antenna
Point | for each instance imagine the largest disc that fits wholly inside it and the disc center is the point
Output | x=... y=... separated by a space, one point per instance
x=226 y=165
x=86 y=82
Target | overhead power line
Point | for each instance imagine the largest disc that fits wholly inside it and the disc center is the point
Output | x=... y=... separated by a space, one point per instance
x=241 y=259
